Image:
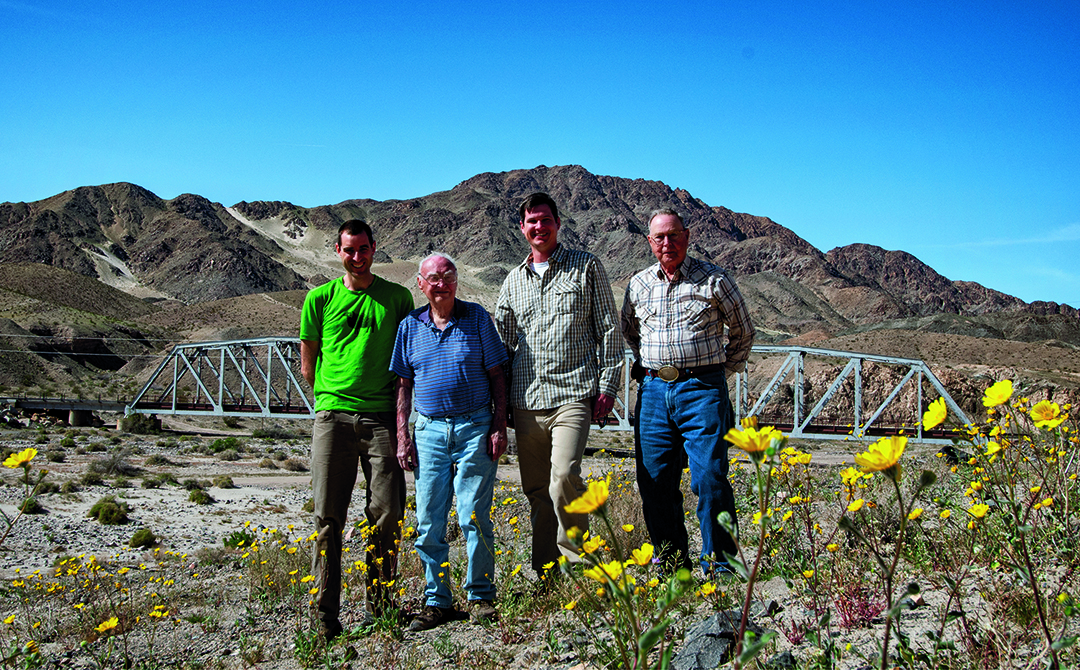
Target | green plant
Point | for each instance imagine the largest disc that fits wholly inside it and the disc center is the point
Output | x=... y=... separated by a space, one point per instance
x=200 y=497
x=239 y=538
x=30 y=487
x=144 y=538
x=224 y=482
x=223 y=443
x=108 y=511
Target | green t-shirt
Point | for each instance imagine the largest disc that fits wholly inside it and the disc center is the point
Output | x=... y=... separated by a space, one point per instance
x=355 y=331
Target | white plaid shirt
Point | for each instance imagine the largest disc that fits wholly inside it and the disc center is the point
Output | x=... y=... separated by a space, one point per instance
x=561 y=330
x=681 y=322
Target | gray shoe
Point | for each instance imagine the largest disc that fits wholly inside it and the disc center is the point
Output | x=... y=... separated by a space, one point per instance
x=483 y=611
x=430 y=617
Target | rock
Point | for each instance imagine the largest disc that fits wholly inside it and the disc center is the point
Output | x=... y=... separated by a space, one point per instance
x=711 y=643
x=781 y=661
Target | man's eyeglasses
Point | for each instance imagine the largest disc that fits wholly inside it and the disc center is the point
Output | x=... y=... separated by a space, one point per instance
x=667 y=237
x=448 y=278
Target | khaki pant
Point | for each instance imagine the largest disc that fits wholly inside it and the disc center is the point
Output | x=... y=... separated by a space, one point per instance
x=341 y=443
x=551 y=444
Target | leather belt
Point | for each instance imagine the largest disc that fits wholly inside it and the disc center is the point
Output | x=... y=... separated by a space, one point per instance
x=670 y=373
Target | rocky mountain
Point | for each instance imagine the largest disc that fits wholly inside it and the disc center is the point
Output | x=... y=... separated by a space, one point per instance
x=193 y=250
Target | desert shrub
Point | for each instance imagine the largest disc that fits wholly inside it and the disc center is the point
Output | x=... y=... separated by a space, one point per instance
x=159 y=481
x=229 y=455
x=115 y=439
x=69 y=487
x=121 y=483
x=268 y=464
x=144 y=537
x=79 y=451
x=139 y=424
x=48 y=487
x=223 y=443
x=168 y=443
x=200 y=497
x=109 y=512
x=193 y=484
x=115 y=463
x=92 y=478
x=55 y=456
x=309 y=506
x=67 y=442
x=273 y=433
x=224 y=482
x=31 y=506
x=97 y=447
x=294 y=465
x=231 y=421
x=280 y=455
x=40 y=439
x=158 y=459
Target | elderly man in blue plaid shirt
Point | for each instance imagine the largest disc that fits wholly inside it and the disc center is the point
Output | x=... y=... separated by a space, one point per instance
x=673 y=318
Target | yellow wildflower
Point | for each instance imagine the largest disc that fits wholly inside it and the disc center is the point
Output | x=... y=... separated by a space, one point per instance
x=107 y=624
x=1047 y=414
x=978 y=510
x=707 y=589
x=807 y=573
x=856 y=506
x=752 y=440
x=628 y=527
x=998 y=394
x=935 y=414
x=642 y=556
x=20 y=459
x=883 y=456
x=915 y=513
x=832 y=548
x=604 y=571
x=591 y=500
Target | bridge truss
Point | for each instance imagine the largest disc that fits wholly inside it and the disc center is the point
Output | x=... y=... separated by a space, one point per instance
x=261 y=377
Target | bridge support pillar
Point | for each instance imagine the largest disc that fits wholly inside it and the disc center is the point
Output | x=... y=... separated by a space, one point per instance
x=80 y=418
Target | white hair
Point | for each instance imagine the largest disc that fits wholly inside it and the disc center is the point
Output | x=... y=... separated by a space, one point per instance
x=437 y=254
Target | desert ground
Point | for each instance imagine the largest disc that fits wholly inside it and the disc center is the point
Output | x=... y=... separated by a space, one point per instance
x=221 y=614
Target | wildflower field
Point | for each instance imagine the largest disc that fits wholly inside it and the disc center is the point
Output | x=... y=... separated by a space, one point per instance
x=854 y=554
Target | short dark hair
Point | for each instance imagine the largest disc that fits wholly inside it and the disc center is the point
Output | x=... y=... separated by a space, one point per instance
x=534 y=201
x=355 y=227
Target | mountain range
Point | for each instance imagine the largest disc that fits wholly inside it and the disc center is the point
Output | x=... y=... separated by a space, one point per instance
x=166 y=258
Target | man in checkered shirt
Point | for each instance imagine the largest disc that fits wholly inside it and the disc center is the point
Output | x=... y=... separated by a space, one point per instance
x=557 y=317
x=673 y=318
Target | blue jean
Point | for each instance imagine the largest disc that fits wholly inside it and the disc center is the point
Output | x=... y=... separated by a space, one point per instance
x=453 y=451
x=679 y=423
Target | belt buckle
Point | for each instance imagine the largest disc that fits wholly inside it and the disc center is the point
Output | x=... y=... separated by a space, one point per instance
x=668 y=373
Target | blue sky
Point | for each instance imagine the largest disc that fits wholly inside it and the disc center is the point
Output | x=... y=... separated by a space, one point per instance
x=948 y=130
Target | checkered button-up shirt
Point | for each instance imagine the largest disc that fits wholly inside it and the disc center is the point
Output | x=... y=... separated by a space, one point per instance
x=562 y=331
x=681 y=322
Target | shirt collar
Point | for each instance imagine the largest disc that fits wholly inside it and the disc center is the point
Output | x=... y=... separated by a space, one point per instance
x=554 y=259
x=685 y=269
x=425 y=315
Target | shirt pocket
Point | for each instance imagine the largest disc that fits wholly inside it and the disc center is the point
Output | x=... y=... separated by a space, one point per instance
x=566 y=297
x=699 y=313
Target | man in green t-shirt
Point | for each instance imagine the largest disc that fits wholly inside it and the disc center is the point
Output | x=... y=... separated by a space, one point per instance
x=347 y=331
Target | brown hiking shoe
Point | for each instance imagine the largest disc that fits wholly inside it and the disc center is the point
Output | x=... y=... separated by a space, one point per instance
x=483 y=611
x=430 y=617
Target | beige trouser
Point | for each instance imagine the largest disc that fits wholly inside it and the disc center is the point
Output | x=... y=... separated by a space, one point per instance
x=341 y=443
x=551 y=444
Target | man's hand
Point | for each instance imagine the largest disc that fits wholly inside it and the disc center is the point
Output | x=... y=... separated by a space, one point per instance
x=407 y=457
x=497 y=444
x=601 y=406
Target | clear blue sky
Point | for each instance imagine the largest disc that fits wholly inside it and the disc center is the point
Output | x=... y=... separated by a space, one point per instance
x=948 y=130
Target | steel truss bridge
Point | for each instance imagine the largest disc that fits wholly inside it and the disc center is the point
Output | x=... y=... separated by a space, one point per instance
x=261 y=377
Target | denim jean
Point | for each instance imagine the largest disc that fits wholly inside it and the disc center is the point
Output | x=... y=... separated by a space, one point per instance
x=679 y=423
x=453 y=451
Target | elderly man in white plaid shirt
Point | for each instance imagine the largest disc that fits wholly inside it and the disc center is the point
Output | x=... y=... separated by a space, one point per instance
x=557 y=317
x=673 y=318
